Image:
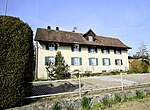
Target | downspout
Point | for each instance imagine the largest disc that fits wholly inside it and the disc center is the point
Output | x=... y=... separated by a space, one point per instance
x=36 y=65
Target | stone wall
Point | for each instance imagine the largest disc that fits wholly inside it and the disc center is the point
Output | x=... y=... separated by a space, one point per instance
x=76 y=102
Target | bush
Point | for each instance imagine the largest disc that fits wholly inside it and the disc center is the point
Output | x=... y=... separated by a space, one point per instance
x=85 y=103
x=16 y=60
x=138 y=66
x=106 y=101
x=117 y=98
x=56 y=106
x=139 y=94
x=70 y=107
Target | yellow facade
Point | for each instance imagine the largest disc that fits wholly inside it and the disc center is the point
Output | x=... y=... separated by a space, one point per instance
x=85 y=55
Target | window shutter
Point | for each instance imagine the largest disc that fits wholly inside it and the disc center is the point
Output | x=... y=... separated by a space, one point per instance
x=79 y=48
x=72 y=61
x=72 y=47
x=80 y=61
x=115 y=62
x=108 y=51
x=102 y=49
x=89 y=61
x=96 y=49
x=47 y=46
x=115 y=51
x=121 y=62
x=56 y=46
x=46 y=60
x=89 y=47
x=103 y=61
x=96 y=61
x=109 y=62
x=120 y=51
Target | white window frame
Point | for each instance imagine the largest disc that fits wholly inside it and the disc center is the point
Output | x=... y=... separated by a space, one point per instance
x=51 y=60
x=51 y=46
x=90 y=38
x=76 y=61
x=93 y=61
x=106 y=61
x=92 y=49
x=118 y=62
x=76 y=47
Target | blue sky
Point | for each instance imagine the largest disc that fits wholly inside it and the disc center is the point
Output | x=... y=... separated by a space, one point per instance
x=127 y=20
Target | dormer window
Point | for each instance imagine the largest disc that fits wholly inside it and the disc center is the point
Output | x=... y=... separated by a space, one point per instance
x=90 y=38
x=76 y=47
x=51 y=46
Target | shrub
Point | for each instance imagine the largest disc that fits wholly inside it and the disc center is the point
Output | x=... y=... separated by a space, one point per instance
x=125 y=98
x=106 y=101
x=56 y=106
x=138 y=66
x=85 y=103
x=16 y=60
x=117 y=98
x=70 y=107
x=140 y=94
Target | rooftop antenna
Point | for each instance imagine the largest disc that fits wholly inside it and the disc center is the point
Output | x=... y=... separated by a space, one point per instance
x=6 y=8
x=75 y=28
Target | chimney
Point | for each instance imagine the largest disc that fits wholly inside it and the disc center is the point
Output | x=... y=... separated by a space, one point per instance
x=57 y=28
x=49 y=27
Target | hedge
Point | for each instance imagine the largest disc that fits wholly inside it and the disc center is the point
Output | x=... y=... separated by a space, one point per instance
x=16 y=60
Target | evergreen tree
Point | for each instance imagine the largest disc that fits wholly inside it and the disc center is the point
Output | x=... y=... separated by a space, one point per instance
x=60 y=67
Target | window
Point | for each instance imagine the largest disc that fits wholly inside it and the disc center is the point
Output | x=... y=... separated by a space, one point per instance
x=90 y=38
x=117 y=51
x=93 y=61
x=105 y=50
x=76 y=61
x=92 y=49
x=118 y=62
x=106 y=61
x=75 y=47
x=50 y=60
x=51 y=46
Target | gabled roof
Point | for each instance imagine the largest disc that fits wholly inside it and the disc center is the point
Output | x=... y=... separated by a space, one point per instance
x=50 y=35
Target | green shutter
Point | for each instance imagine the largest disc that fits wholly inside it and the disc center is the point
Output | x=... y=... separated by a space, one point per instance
x=102 y=49
x=121 y=62
x=120 y=51
x=80 y=61
x=96 y=49
x=56 y=47
x=79 y=48
x=72 y=61
x=103 y=61
x=115 y=62
x=96 y=61
x=46 y=60
x=89 y=61
x=109 y=62
x=72 y=47
x=108 y=51
x=47 y=46
x=115 y=51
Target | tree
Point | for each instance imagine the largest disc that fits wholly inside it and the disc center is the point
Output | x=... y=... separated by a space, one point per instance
x=142 y=63
x=60 y=67
x=16 y=60
x=143 y=52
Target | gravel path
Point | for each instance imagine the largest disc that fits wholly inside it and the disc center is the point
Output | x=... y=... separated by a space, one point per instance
x=96 y=82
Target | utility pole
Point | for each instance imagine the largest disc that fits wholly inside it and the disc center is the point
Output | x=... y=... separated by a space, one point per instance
x=6 y=8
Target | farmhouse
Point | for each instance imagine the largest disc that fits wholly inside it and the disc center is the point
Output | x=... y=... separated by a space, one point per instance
x=86 y=52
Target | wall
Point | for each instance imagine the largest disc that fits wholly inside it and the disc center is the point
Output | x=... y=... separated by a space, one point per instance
x=76 y=102
x=85 y=55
